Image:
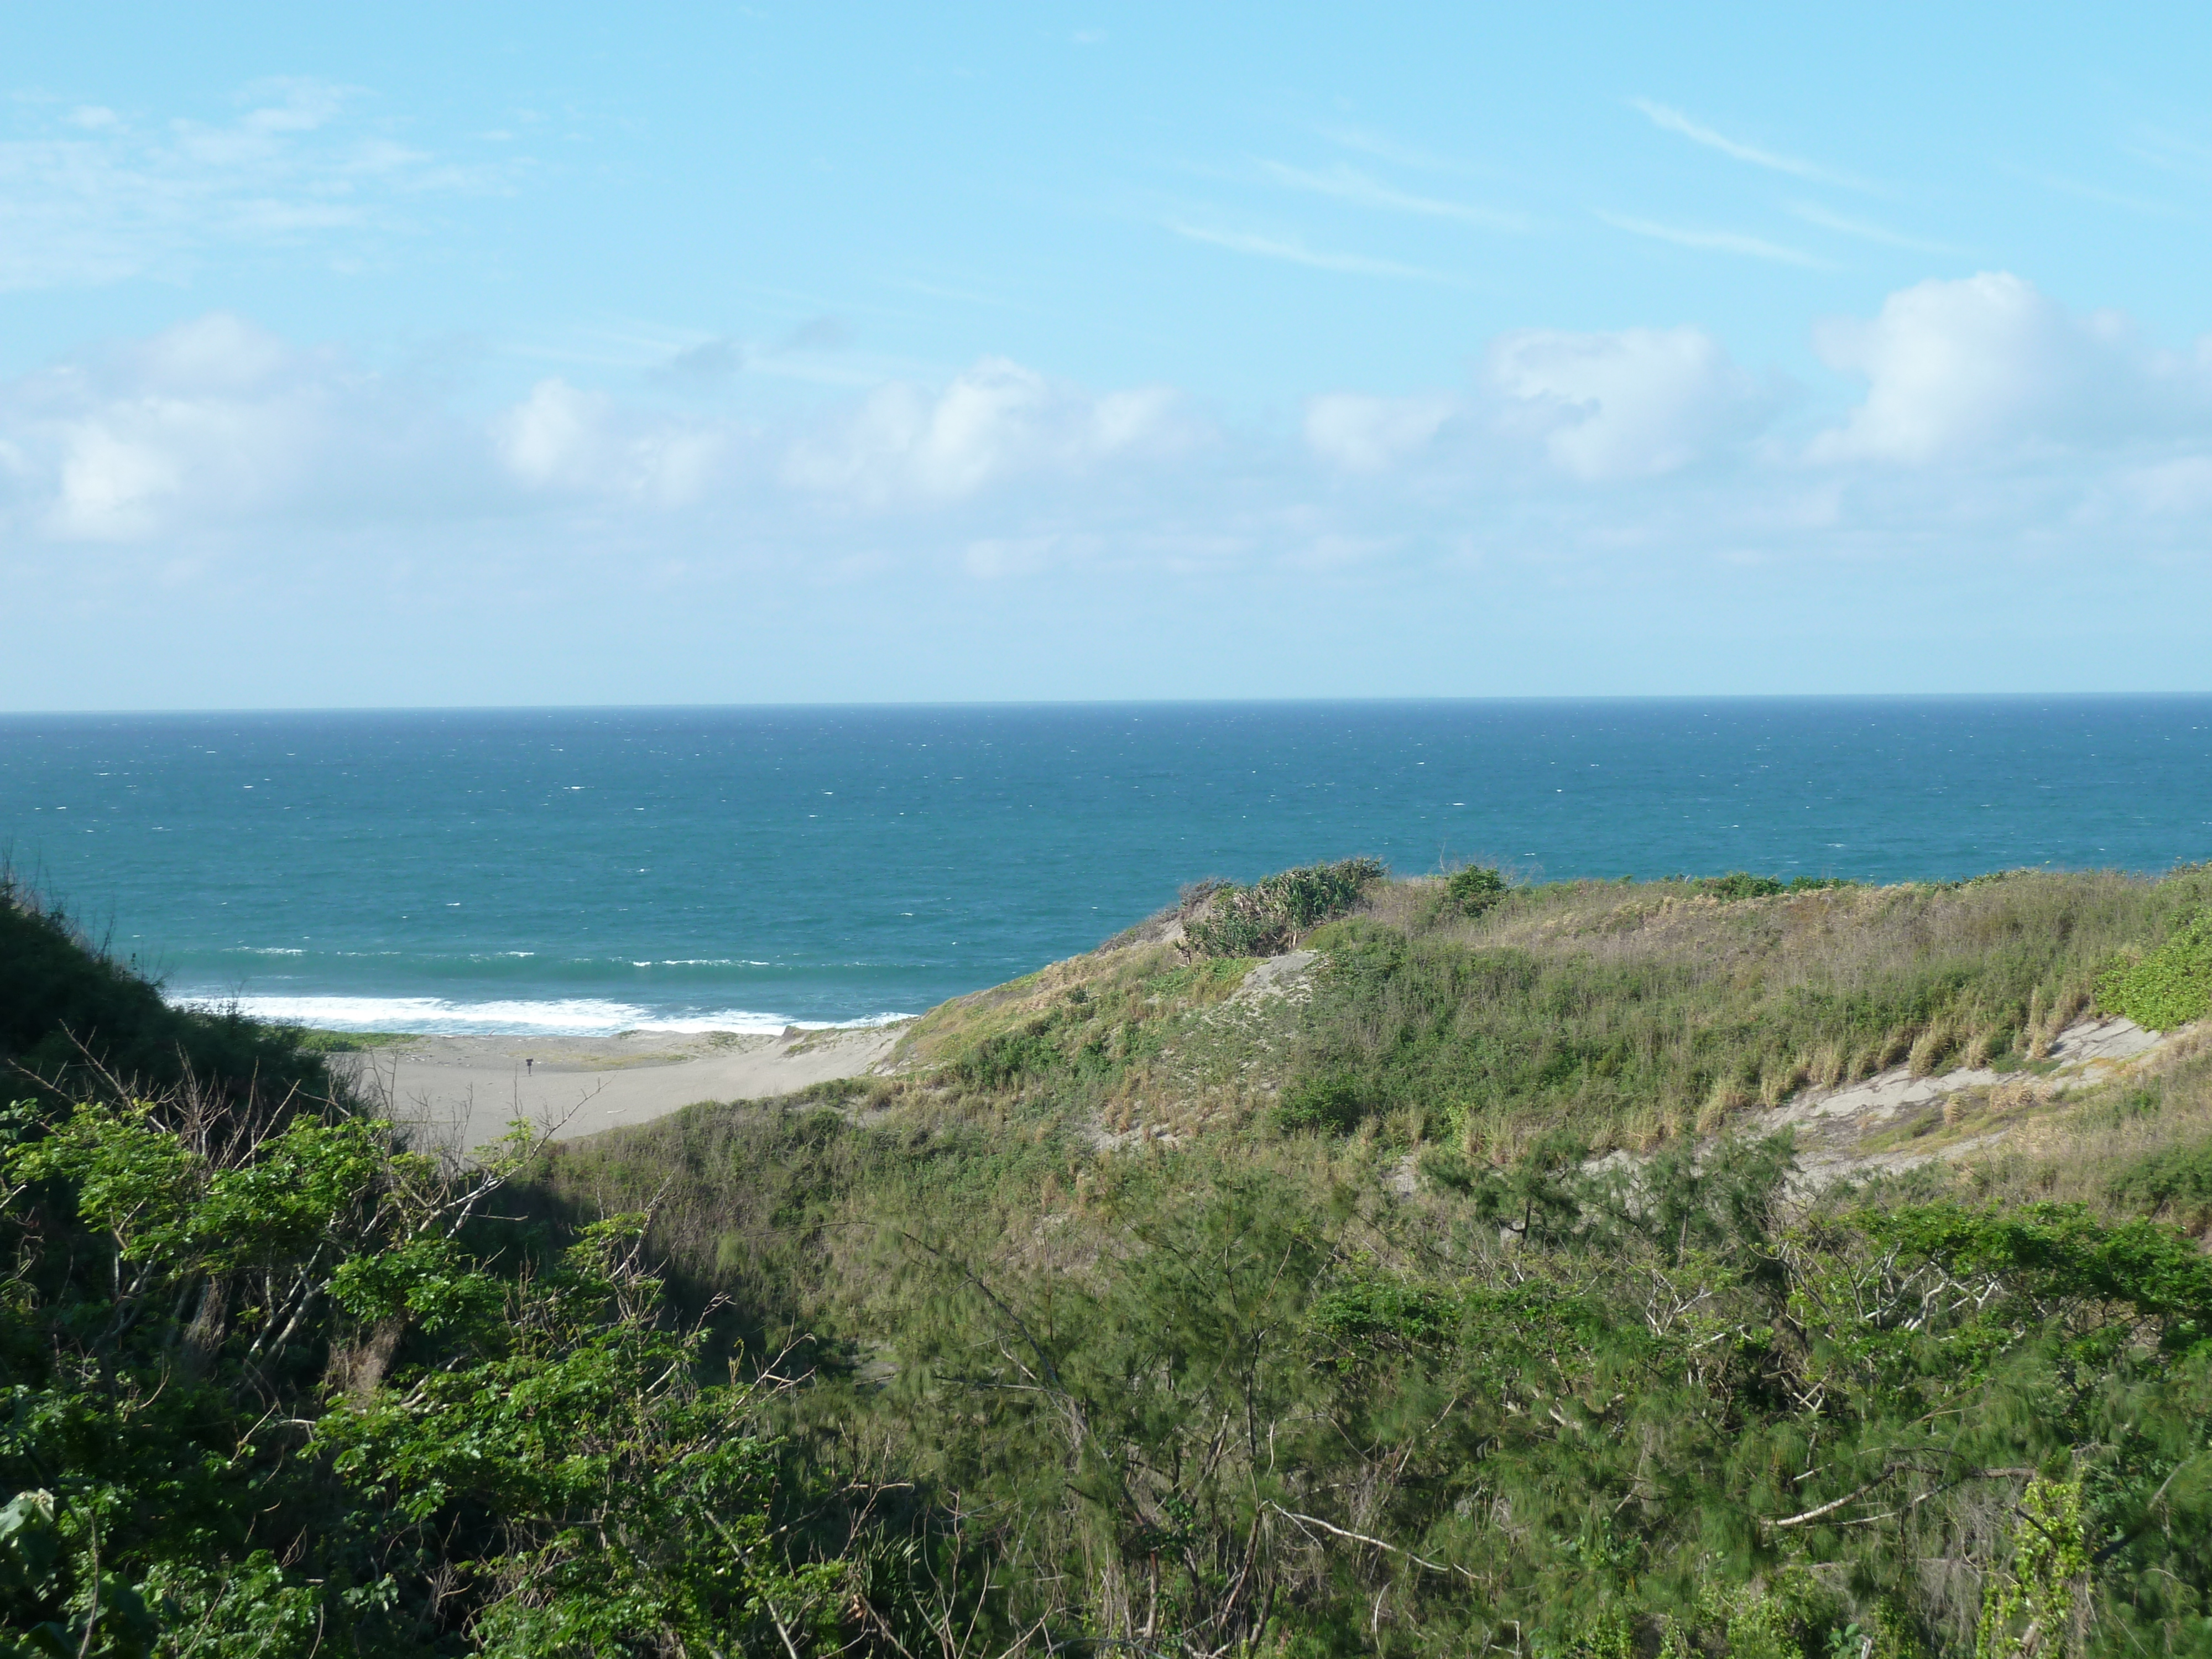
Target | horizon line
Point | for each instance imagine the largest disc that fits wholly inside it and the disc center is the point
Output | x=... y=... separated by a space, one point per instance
x=1010 y=703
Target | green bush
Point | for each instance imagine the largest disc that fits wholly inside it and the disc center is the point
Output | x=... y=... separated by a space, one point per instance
x=1264 y=919
x=1740 y=884
x=1335 y=1102
x=1475 y=889
x=2175 y=1179
x=1001 y=1062
x=2170 y=986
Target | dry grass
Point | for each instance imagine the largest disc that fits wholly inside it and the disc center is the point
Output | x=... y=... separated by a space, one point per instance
x=2075 y=1150
x=1119 y=983
x=1836 y=938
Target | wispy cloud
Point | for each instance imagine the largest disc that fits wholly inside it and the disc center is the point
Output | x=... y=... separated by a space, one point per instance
x=1668 y=119
x=2075 y=187
x=1298 y=253
x=1349 y=184
x=1715 y=241
x=1363 y=140
x=1813 y=214
x=95 y=196
x=2170 y=153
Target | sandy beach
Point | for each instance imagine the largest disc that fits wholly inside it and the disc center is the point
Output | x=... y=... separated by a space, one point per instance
x=458 y=1092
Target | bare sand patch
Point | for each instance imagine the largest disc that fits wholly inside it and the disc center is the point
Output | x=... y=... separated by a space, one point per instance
x=461 y=1092
x=1894 y=1121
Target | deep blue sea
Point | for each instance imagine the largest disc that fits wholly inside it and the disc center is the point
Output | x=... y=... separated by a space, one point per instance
x=579 y=869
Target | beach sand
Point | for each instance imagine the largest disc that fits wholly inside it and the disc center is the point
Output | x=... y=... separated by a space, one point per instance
x=455 y=1093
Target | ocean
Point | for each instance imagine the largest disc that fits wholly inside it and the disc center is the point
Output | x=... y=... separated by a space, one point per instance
x=586 y=870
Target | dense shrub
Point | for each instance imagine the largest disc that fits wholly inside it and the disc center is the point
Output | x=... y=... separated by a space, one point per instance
x=1474 y=888
x=1333 y=1101
x=2170 y=986
x=2173 y=1180
x=1001 y=1062
x=1742 y=884
x=1266 y=919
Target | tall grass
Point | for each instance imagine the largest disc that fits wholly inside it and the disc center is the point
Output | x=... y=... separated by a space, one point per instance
x=1632 y=1013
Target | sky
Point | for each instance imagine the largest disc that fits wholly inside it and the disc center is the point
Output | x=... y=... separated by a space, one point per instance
x=560 y=355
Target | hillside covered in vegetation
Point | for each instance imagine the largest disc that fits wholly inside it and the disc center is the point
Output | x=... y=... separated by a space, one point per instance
x=1334 y=1265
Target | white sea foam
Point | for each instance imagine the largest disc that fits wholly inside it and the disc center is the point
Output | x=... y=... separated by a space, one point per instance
x=436 y=1015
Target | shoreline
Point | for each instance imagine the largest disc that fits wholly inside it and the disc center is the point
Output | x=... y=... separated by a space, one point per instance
x=454 y=1093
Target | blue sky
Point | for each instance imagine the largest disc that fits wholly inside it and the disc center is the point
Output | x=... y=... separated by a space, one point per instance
x=496 y=354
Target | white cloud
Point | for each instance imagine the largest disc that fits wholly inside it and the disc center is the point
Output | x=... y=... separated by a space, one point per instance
x=216 y=353
x=566 y=441
x=1989 y=366
x=997 y=421
x=1633 y=404
x=1363 y=433
x=216 y=426
x=2018 y=420
x=216 y=421
x=1813 y=214
x=553 y=436
x=214 y=411
x=111 y=485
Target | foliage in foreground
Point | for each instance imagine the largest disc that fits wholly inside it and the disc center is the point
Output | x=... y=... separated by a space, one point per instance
x=1217 y=1400
x=1640 y=1439
x=265 y=1399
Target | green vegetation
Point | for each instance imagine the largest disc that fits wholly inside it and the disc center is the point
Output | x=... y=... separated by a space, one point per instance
x=2170 y=986
x=1237 y=1394
x=73 y=1018
x=1742 y=884
x=1474 y=888
x=2173 y=1180
x=1266 y=917
x=1635 y=1014
x=269 y=1399
x=1166 y=1303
